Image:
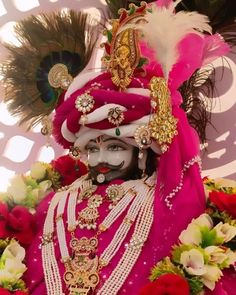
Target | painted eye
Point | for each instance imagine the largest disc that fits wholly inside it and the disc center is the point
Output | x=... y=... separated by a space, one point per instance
x=115 y=147
x=92 y=149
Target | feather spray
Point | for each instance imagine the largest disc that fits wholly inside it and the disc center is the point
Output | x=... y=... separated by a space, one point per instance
x=66 y=38
x=163 y=30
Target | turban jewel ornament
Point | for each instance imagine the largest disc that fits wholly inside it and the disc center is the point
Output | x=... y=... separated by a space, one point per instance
x=197 y=90
x=123 y=58
x=54 y=48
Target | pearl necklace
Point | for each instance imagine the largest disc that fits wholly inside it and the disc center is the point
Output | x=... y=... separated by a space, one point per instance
x=139 y=195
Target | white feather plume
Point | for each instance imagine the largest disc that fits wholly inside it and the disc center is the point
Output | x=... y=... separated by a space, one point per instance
x=163 y=29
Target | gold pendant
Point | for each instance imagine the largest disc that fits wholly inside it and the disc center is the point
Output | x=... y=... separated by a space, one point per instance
x=114 y=194
x=88 y=216
x=81 y=275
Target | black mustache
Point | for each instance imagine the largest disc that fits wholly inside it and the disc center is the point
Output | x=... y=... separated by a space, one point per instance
x=110 y=166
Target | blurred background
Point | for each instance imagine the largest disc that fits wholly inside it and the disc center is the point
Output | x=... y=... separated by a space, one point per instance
x=19 y=149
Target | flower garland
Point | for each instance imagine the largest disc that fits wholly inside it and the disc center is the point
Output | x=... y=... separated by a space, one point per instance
x=205 y=247
x=17 y=221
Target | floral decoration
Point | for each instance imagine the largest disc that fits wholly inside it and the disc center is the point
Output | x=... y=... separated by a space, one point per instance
x=222 y=195
x=167 y=284
x=27 y=190
x=69 y=169
x=205 y=248
x=6 y=292
x=12 y=267
x=17 y=221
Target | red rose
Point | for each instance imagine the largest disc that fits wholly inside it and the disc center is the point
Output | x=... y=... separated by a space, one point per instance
x=7 y=292
x=4 y=292
x=167 y=284
x=69 y=169
x=17 y=223
x=4 y=233
x=224 y=202
x=22 y=225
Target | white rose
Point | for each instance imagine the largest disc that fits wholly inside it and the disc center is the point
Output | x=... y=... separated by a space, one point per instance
x=13 y=251
x=12 y=267
x=193 y=262
x=17 y=189
x=15 y=267
x=231 y=255
x=38 y=171
x=212 y=275
x=225 y=231
x=5 y=276
x=44 y=186
x=192 y=235
x=217 y=254
x=204 y=220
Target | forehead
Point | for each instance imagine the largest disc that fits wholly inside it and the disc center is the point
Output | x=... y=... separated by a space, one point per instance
x=107 y=139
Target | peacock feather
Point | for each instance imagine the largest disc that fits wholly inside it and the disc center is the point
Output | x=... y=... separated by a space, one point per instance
x=46 y=40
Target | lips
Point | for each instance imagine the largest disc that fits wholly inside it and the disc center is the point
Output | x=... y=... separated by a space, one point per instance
x=104 y=169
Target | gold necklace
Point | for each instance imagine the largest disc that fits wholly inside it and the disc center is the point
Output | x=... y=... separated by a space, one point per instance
x=82 y=270
x=88 y=216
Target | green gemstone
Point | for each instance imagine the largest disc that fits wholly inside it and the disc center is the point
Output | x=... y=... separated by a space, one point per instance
x=117 y=132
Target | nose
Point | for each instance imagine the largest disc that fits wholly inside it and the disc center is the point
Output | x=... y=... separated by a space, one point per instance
x=102 y=156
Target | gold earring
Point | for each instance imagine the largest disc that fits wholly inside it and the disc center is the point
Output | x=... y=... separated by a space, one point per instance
x=74 y=152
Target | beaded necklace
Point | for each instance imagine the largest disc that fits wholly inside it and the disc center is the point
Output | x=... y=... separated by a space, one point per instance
x=83 y=267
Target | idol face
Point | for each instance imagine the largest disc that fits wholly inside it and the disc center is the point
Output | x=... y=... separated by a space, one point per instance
x=110 y=158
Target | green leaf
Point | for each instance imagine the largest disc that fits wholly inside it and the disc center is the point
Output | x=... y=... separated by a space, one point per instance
x=196 y=286
x=29 y=181
x=165 y=266
x=209 y=237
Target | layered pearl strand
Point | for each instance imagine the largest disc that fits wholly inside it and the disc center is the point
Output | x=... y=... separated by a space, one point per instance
x=134 y=248
x=50 y=265
x=138 y=194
